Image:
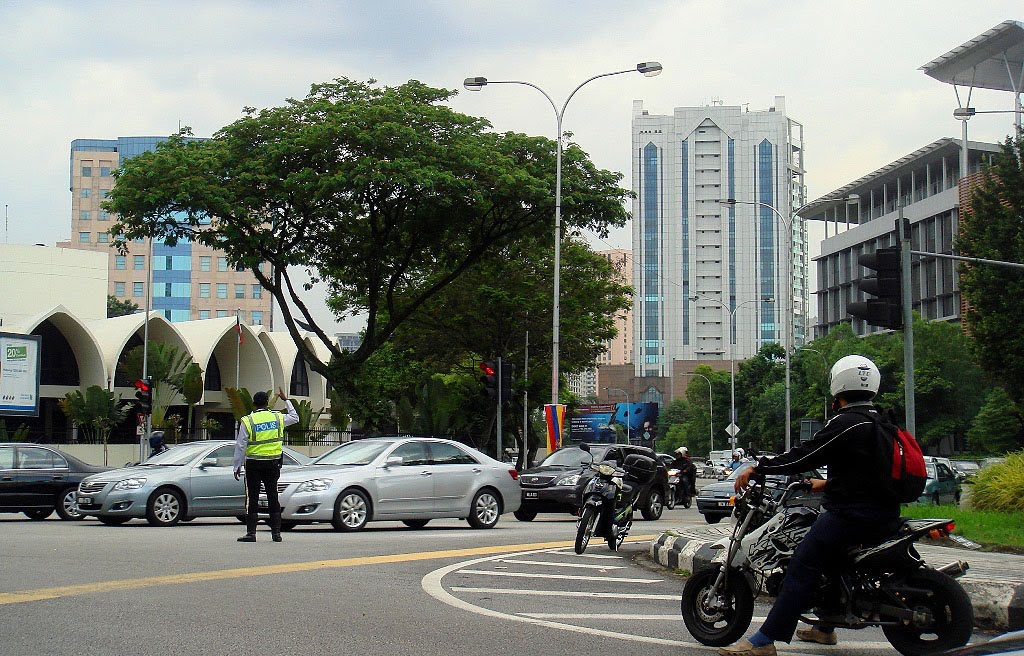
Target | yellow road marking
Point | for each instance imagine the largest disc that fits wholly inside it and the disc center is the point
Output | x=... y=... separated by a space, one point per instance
x=40 y=594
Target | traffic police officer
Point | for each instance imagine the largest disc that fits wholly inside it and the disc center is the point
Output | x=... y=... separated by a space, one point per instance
x=260 y=440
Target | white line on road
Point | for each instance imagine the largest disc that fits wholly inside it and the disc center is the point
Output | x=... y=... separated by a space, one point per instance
x=553 y=564
x=561 y=577
x=566 y=593
x=570 y=552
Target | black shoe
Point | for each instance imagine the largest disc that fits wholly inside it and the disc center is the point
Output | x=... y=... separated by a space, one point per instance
x=276 y=537
x=248 y=537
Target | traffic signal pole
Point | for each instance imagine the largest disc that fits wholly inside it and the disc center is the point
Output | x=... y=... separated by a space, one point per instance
x=501 y=398
x=903 y=230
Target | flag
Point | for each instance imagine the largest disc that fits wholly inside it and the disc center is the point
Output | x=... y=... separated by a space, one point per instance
x=238 y=327
x=554 y=416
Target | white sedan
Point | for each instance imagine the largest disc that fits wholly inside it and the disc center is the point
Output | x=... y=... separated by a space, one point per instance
x=409 y=479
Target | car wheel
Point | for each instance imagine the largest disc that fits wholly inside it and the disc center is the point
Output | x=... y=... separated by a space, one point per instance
x=415 y=523
x=956 y=497
x=40 y=513
x=351 y=511
x=654 y=507
x=712 y=519
x=485 y=509
x=525 y=515
x=67 y=505
x=112 y=521
x=165 y=508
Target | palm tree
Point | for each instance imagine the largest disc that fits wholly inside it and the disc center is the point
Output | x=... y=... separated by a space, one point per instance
x=165 y=364
x=95 y=412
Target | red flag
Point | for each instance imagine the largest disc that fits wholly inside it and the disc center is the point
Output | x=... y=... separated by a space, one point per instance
x=238 y=327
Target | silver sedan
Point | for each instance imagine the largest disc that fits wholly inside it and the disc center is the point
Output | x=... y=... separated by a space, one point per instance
x=186 y=481
x=412 y=480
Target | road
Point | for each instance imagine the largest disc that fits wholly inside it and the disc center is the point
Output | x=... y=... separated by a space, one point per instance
x=74 y=588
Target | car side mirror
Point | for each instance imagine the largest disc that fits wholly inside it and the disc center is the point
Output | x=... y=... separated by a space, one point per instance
x=584 y=447
x=394 y=461
x=207 y=462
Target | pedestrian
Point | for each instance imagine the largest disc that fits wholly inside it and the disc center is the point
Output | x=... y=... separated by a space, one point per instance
x=861 y=508
x=156 y=443
x=259 y=442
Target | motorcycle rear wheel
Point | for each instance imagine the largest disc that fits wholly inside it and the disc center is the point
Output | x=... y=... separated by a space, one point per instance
x=951 y=609
x=585 y=528
x=716 y=628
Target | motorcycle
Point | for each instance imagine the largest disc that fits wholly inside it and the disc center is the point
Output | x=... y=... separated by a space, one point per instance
x=679 y=491
x=920 y=609
x=608 y=499
x=673 y=482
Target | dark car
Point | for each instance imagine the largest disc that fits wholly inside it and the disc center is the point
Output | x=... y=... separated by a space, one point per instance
x=714 y=500
x=37 y=479
x=554 y=485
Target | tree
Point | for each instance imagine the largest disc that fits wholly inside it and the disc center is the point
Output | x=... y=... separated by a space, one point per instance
x=95 y=412
x=165 y=363
x=384 y=193
x=190 y=386
x=119 y=308
x=993 y=228
x=997 y=428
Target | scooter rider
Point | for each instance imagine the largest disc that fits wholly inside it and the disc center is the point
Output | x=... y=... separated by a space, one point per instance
x=687 y=470
x=860 y=510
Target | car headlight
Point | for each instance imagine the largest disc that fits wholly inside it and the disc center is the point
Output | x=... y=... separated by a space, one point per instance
x=315 y=485
x=130 y=484
x=572 y=479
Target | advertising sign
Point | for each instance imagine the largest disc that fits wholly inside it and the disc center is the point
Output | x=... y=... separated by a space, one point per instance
x=596 y=422
x=19 y=374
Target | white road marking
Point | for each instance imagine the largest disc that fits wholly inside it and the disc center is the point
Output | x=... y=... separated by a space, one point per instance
x=561 y=577
x=570 y=552
x=602 y=616
x=567 y=593
x=554 y=564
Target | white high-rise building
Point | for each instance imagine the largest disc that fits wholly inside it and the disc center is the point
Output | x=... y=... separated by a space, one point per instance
x=732 y=258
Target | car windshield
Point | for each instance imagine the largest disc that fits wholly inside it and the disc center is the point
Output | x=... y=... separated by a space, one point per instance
x=176 y=455
x=735 y=472
x=353 y=453
x=966 y=466
x=572 y=457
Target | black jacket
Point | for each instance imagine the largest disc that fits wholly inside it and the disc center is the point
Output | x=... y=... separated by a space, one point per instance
x=855 y=454
x=686 y=467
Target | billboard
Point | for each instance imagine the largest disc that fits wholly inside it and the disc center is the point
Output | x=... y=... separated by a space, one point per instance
x=19 y=374
x=595 y=422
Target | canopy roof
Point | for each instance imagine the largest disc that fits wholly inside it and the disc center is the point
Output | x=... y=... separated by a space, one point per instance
x=993 y=60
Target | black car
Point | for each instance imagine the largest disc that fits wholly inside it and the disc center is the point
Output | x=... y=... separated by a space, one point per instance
x=714 y=500
x=37 y=479
x=555 y=484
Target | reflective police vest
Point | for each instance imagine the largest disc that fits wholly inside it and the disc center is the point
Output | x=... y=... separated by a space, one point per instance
x=266 y=434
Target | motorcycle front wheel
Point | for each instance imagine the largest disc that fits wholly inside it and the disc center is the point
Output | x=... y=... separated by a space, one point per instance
x=928 y=591
x=717 y=627
x=585 y=528
x=670 y=500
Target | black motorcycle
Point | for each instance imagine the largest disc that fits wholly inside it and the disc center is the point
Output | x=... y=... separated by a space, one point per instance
x=608 y=498
x=678 y=490
x=920 y=609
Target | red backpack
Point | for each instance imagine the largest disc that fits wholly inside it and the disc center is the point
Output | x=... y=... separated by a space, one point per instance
x=907 y=474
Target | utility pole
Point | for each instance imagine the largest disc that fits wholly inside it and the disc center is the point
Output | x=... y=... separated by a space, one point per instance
x=903 y=232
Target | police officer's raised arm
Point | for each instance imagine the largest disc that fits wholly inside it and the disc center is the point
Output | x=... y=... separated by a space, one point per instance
x=292 y=417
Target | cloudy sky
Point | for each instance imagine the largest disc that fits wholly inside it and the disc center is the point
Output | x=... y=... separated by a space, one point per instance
x=848 y=70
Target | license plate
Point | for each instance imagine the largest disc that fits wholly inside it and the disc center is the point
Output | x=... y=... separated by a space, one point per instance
x=84 y=501
x=530 y=495
x=722 y=504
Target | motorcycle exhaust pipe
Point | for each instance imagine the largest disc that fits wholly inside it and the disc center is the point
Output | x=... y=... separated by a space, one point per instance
x=956 y=570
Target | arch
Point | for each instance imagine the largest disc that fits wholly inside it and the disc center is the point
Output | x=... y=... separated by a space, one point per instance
x=82 y=346
x=299 y=383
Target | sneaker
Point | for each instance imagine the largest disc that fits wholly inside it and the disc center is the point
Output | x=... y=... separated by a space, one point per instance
x=745 y=648
x=814 y=635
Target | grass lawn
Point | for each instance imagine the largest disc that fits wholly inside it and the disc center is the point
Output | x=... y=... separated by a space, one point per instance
x=996 y=531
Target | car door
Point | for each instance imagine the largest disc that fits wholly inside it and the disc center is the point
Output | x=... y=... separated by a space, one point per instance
x=41 y=473
x=457 y=477
x=947 y=483
x=407 y=488
x=214 y=489
x=9 y=496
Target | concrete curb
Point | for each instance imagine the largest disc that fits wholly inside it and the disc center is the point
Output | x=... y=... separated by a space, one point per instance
x=997 y=604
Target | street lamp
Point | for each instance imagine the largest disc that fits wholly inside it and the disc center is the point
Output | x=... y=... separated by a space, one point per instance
x=732 y=364
x=711 y=407
x=823 y=362
x=629 y=406
x=649 y=69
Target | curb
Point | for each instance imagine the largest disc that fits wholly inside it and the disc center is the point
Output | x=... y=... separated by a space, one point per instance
x=997 y=604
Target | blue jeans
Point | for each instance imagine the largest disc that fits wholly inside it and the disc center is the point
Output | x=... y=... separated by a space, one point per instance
x=833 y=533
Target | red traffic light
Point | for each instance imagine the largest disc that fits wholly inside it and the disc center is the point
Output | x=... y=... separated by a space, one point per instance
x=488 y=368
x=142 y=385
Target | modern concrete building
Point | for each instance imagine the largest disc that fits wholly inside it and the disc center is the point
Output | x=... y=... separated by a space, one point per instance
x=713 y=281
x=926 y=184
x=190 y=281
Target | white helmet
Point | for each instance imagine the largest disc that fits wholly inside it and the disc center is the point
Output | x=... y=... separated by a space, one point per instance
x=683 y=451
x=854 y=373
x=737 y=454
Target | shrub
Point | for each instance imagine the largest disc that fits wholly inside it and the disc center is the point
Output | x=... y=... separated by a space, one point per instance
x=1001 y=486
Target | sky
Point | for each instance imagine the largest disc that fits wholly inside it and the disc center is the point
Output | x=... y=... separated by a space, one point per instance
x=848 y=70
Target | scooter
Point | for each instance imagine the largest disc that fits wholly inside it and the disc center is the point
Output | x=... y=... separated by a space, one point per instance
x=609 y=497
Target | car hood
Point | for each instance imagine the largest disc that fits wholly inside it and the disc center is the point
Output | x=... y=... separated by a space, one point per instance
x=551 y=469
x=134 y=472
x=307 y=472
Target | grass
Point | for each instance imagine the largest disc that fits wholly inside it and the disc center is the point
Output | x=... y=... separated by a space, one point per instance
x=994 y=530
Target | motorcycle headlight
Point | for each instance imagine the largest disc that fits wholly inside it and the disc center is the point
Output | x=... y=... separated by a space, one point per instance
x=130 y=484
x=605 y=470
x=572 y=479
x=315 y=485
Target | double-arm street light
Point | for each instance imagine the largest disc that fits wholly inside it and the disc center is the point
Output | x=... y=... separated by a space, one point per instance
x=732 y=364
x=629 y=406
x=649 y=69
x=711 y=407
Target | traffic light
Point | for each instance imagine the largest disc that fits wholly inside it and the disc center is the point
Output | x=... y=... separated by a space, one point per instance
x=490 y=378
x=144 y=394
x=507 y=369
x=885 y=311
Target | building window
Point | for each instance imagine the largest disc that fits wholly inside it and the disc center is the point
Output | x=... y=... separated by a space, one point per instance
x=84 y=215
x=104 y=215
x=222 y=290
x=104 y=193
x=120 y=262
x=300 y=379
x=204 y=262
x=222 y=313
x=257 y=318
x=103 y=237
x=204 y=290
x=84 y=237
x=85 y=193
x=86 y=171
x=257 y=291
x=222 y=264
x=138 y=262
x=239 y=267
x=119 y=289
x=137 y=289
x=105 y=171
x=204 y=314
x=239 y=291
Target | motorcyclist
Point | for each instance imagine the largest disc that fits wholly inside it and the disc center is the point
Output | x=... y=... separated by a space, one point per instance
x=737 y=456
x=687 y=470
x=156 y=443
x=860 y=508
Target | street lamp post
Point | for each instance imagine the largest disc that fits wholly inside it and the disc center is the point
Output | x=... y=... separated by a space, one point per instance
x=649 y=69
x=711 y=408
x=629 y=406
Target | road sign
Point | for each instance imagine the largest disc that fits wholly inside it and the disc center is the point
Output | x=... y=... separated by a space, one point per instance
x=732 y=429
x=140 y=430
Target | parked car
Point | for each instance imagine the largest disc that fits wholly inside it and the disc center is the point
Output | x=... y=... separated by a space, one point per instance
x=186 y=481
x=412 y=480
x=942 y=485
x=555 y=484
x=37 y=479
x=714 y=500
x=965 y=469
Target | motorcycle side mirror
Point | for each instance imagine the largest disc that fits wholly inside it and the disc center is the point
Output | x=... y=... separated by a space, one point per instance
x=584 y=447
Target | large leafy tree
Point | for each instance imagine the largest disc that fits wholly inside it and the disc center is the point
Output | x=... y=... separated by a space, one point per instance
x=119 y=308
x=997 y=428
x=993 y=228
x=385 y=193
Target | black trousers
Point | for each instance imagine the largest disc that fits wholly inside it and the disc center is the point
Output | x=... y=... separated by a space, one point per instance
x=265 y=472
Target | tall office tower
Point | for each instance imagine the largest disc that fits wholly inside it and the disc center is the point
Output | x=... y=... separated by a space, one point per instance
x=190 y=281
x=712 y=280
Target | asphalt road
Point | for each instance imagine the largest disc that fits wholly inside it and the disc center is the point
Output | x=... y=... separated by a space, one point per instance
x=84 y=588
